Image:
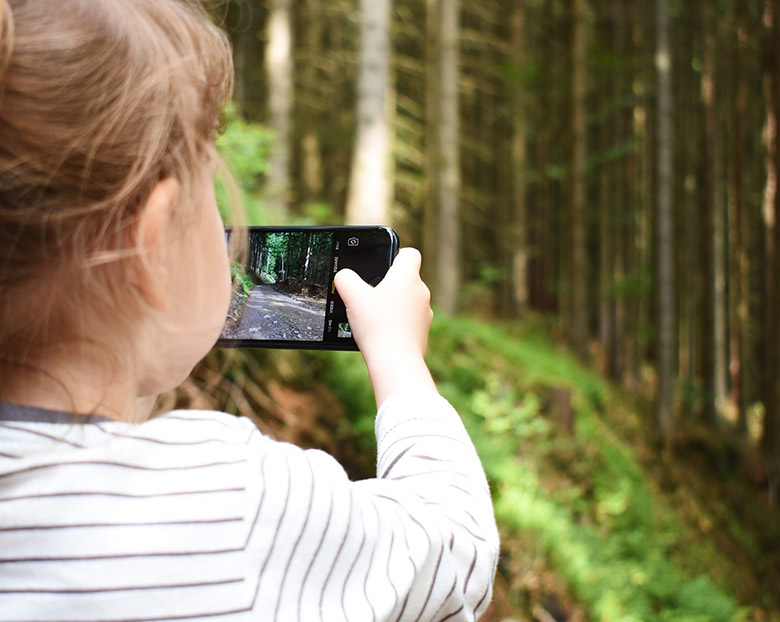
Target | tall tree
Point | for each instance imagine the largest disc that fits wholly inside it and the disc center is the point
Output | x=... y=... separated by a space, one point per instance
x=446 y=174
x=666 y=303
x=714 y=340
x=432 y=103
x=519 y=236
x=311 y=157
x=614 y=137
x=738 y=226
x=370 y=186
x=279 y=68
x=770 y=440
x=687 y=153
x=579 y=300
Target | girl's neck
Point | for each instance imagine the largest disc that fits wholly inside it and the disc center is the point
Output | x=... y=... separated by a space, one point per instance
x=80 y=384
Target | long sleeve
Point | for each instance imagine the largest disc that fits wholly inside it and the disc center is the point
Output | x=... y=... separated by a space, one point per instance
x=424 y=451
x=418 y=542
x=198 y=516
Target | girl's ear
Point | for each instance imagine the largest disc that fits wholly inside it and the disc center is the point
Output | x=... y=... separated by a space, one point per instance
x=153 y=274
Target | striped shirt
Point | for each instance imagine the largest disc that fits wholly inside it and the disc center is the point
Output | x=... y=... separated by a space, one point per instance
x=197 y=515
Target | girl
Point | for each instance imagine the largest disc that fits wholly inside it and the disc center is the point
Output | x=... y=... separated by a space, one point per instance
x=114 y=282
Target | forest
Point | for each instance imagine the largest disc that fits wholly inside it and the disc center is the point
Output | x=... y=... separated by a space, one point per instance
x=299 y=256
x=594 y=187
x=280 y=285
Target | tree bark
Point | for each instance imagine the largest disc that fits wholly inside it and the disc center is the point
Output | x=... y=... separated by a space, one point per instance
x=606 y=286
x=716 y=223
x=770 y=439
x=610 y=136
x=447 y=173
x=687 y=149
x=579 y=299
x=739 y=262
x=370 y=186
x=666 y=302
x=713 y=338
x=432 y=103
x=279 y=67
x=311 y=157
x=520 y=212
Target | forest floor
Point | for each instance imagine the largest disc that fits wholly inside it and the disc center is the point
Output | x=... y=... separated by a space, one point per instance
x=271 y=314
x=596 y=523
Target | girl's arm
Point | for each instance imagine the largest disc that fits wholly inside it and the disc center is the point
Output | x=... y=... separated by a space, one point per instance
x=431 y=492
x=390 y=323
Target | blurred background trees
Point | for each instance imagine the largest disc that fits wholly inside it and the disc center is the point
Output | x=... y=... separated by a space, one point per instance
x=602 y=170
x=587 y=161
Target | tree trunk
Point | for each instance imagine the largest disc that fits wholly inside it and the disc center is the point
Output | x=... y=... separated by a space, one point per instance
x=770 y=440
x=543 y=252
x=666 y=303
x=432 y=104
x=239 y=24
x=447 y=173
x=739 y=262
x=687 y=150
x=579 y=300
x=611 y=136
x=279 y=67
x=606 y=285
x=520 y=212
x=370 y=187
x=311 y=157
x=713 y=339
x=717 y=224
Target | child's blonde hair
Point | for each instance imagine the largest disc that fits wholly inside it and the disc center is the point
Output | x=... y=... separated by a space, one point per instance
x=99 y=101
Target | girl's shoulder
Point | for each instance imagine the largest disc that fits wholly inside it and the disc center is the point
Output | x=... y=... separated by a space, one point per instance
x=206 y=418
x=25 y=431
x=193 y=425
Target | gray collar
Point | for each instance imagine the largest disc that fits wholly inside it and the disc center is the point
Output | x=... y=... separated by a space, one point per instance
x=31 y=414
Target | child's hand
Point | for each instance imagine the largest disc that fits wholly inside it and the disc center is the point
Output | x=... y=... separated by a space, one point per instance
x=390 y=323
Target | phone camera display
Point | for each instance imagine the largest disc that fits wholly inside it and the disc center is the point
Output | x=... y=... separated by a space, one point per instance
x=281 y=292
x=284 y=293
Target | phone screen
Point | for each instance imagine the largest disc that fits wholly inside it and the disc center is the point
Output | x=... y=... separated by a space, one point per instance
x=283 y=293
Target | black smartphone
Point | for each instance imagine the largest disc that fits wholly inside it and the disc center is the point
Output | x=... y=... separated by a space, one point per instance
x=283 y=292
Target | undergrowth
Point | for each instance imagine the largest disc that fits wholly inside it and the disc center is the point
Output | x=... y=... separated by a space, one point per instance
x=563 y=476
x=593 y=526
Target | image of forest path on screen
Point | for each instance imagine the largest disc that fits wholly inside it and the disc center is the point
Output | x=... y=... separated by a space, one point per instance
x=283 y=287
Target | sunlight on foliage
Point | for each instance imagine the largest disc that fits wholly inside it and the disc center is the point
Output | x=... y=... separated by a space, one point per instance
x=582 y=494
x=244 y=147
x=504 y=411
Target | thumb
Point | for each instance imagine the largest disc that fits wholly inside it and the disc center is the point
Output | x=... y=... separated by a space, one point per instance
x=349 y=285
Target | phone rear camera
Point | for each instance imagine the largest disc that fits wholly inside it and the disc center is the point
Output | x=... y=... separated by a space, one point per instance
x=353 y=241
